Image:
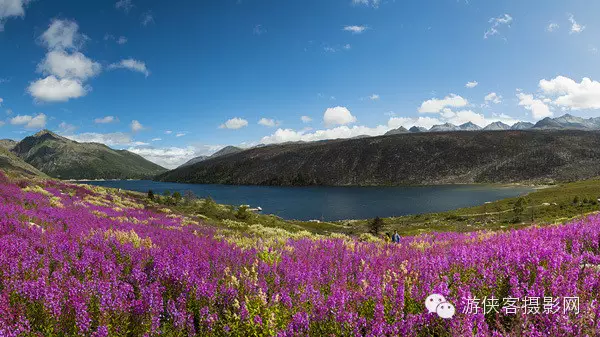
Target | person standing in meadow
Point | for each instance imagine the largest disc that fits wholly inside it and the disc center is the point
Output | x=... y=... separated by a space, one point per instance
x=396 y=237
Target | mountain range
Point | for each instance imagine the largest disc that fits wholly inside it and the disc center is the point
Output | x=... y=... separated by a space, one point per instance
x=565 y=122
x=59 y=157
x=504 y=156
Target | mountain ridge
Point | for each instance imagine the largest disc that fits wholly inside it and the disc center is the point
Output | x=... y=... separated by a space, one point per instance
x=60 y=157
x=457 y=157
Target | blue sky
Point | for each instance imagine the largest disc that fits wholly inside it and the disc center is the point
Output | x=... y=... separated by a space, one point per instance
x=174 y=79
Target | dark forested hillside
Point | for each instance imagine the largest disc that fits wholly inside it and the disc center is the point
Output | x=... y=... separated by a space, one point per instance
x=413 y=158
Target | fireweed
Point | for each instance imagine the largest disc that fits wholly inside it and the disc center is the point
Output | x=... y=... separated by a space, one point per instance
x=83 y=261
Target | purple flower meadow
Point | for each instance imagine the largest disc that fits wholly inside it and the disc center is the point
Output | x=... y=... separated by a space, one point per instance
x=84 y=261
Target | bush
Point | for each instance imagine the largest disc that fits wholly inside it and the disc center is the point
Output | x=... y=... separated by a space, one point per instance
x=242 y=213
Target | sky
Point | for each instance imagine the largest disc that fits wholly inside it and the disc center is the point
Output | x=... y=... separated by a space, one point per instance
x=171 y=80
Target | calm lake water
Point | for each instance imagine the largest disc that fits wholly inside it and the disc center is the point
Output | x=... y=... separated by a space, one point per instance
x=334 y=203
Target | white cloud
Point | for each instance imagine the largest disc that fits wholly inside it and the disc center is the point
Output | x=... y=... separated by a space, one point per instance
x=106 y=120
x=374 y=97
x=306 y=119
x=355 y=29
x=538 y=108
x=1 y=101
x=180 y=134
x=172 y=157
x=168 y=132
x=52 y=89
x=369 y=3
x=338 y=116
x=110 y=139
x=124 y=5
x=471 y=85
x=65 y=68
x=234 y=124
x=62 y=35
x=496 y=23
x=30 y=122
x=67 y=128
x=11 y=8
x=435 y=105
x=136 y=126
x=122 y=40
x=407 y=122
x=63 y=65
x=575 y=27
x=552 y=27
x=147 y=18
x=289 y=135
x=492 y=97
x=131 y=64
x=156 y=139
x=259 y=30
x=347 y=46
x=268 y=122
x=572 y=95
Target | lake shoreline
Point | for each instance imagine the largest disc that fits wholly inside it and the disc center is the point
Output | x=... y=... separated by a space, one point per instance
x=334 y=204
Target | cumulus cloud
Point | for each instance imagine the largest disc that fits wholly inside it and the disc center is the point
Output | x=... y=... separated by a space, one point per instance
x=492 y=97
x=131 y=64
x=338 y=116
x=1 y=101
x=435 y=105
x=64 y=65
x=289 y=135
x=355 y=29
x=552 y=27
x=408 y=122
x=538 y=108
x=374 y=97
x=569 y=94
x=109 y=139
x=575 y=27
x=369 y=3
x=122 y=40
x=30 y=122
x=172 y=157
x=63 y=35
x=268 y=122
x=106 y=120
x=156 y=139
x=11 y=8
x=136 y=126
x=234 y=124
x=180 y=134
x=306 y=119
x=52 y=89
x=471 y=85
x=504 y=20
x=65 y=68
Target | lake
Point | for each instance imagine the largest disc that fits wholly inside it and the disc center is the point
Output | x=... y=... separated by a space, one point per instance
x=334 y=203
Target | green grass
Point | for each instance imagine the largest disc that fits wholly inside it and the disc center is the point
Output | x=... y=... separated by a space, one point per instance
x=548 y=205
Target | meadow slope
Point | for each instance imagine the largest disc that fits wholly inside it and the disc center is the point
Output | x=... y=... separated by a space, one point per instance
x=77 y=260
